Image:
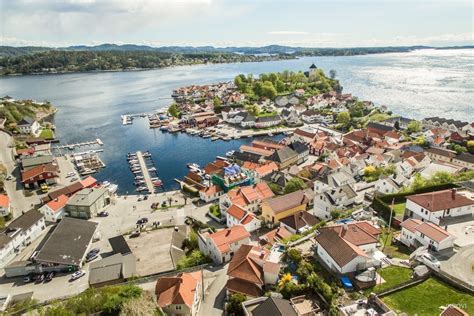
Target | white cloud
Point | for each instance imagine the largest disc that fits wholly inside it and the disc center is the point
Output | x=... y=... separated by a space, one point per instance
x=288 y=33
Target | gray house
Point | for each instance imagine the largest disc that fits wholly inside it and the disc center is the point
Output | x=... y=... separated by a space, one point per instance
x=87 y=203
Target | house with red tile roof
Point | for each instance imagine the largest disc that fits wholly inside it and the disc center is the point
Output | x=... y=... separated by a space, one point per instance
x=453 y=310
x=347 y=248
x=439 y=207
x=5 y=206
x=222 y=245
x=248 y=197
x=277 y=235
x=180 y=294
x=45 y=173
x=53 y=211
x=237 y=215
x=249 y=270
x=416 y=233
x=210 y=193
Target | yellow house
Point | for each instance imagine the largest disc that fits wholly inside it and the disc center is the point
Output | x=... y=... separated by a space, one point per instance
x=282 y=206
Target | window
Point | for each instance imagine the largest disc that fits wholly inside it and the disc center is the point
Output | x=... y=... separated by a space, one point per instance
x=178 y=307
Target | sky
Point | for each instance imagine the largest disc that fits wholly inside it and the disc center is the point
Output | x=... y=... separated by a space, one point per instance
x=221 y=23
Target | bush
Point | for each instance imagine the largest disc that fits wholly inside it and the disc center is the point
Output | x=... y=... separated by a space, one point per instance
x=195 y=258
x=320 y=286
x=234 y=306
x=293 y=185
x=215 y=210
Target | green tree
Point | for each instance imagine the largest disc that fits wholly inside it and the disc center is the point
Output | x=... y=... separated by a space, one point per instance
x=268 y=90
x=274 y=187
x=293 y=185
x=173 y=110
x=294 y=255
x=253 y=109
x=343 y=118
x=234 y=305
x=414 y=126
x=195 y=258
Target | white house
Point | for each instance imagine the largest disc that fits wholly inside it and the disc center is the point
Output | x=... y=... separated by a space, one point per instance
x=344 y=250
x=333 y=199
x=222 y=245
x=5 y=206
x=416 y=233
x=267 y=121
x=53 y=211
x=237 y=215
x=390 y=184
x=438 y=207
x=19 y=234
x=27 y=125
x=210 y=193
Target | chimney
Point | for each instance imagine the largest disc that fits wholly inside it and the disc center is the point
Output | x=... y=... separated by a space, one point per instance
x=453 y=194
x=227 y=233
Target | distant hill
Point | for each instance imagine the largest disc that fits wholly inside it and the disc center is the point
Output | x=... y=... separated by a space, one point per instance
x=10 y=51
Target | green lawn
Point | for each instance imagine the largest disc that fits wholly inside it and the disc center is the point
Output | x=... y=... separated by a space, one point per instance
x=379 y=117
x=399 y=209
x=46 y=133
x=397 y=251
x=427 y=297
x=393 y=276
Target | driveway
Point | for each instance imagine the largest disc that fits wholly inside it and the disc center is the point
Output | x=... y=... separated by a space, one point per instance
x=460 y=264
x=214 y=294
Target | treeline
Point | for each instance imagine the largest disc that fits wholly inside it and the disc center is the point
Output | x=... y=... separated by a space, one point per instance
x=78 y=61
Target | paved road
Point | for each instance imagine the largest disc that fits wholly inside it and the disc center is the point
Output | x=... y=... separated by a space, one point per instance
x=214 y=295
x=14 y=189
x=460 y=264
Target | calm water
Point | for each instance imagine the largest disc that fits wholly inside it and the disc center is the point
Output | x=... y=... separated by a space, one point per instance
x=418 y=84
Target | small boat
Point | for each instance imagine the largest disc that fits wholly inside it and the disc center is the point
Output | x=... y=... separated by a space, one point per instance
x=105 y=184
x=206 y=136
x=152 y=169
x=164 y=128
x=214 y=138
x=221 y=158
x=113 y=188
x=142 y=188
x=157 y=183
x=227 y=138
x=136 y=171
x=194 y=165
x=270 y=134
x=229 y=153
x=146 y=155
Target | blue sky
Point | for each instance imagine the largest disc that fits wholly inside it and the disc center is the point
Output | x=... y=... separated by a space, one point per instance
x=315 y=23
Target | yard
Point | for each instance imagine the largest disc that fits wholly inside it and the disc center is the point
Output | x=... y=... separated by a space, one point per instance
x=393 y=276
x=395 y=250
x=46 y=133
x=427 y=297
x=399 y=209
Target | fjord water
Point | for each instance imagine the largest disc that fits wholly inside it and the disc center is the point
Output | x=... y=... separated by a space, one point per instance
x=417 y=84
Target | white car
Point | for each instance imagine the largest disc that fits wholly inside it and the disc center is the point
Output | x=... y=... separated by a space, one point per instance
x=76 y=275
x=70 y=174
x=430 y=261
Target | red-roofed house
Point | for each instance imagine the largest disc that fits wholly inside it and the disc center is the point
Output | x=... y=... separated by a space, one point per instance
x=439 y=206
x=53 y=211
x=416 y=233
x=249 y=270
x=5 y=207
x=249 y=197
x=39 y=174
x=237 y=215
x=222 y=245
x=89 y=182
x=181 y=294
x=210 y=193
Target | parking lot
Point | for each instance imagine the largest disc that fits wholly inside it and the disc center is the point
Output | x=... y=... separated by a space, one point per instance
x=460 y=264
x=152 y=250
x=464 y=233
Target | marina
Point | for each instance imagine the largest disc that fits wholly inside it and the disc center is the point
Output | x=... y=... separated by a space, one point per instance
x=145 y=173
x=87 y=162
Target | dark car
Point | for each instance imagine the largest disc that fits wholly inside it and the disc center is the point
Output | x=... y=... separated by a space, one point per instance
x=142 y=221
x=49 y=276
x=93 y=251
x=92 y=256
x=135 y=234
x=29 y=278
x=103 y=214
x=40 y=278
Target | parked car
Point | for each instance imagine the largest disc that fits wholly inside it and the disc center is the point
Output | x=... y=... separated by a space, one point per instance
x=70 y=174
x=29 y=278
x=76 y=275
x=142 y=221
x=40 y=278
x=9 y=177
x=430 y=261
x=134 y=234
x=103 y=214
x=49 y=276
x=93 y=251
x=92 y=256
x=74 y=179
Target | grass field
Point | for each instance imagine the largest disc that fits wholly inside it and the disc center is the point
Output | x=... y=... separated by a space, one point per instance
x=47 y=133
x=427 y=297
x=399 y=209
x=395 y=250
x=393 y=276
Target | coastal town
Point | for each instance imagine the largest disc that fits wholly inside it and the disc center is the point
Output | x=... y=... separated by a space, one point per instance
x=335 y=206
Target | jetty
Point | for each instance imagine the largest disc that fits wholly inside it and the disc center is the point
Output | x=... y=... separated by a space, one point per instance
x=97 y=141
x=145 y=172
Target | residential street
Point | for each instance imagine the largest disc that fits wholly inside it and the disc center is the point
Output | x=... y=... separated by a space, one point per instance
x=214 y=295
x=19 y=202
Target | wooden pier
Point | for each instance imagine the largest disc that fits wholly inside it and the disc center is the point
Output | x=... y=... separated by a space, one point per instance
x=97 y=141
x=145 y=172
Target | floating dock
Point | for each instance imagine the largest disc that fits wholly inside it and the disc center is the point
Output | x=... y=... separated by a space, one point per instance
x=145 y=171
x=97 y=141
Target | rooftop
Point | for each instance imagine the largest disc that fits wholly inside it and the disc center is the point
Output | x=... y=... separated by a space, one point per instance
x=87 y=197
x=440 y=200
x=179 y=289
